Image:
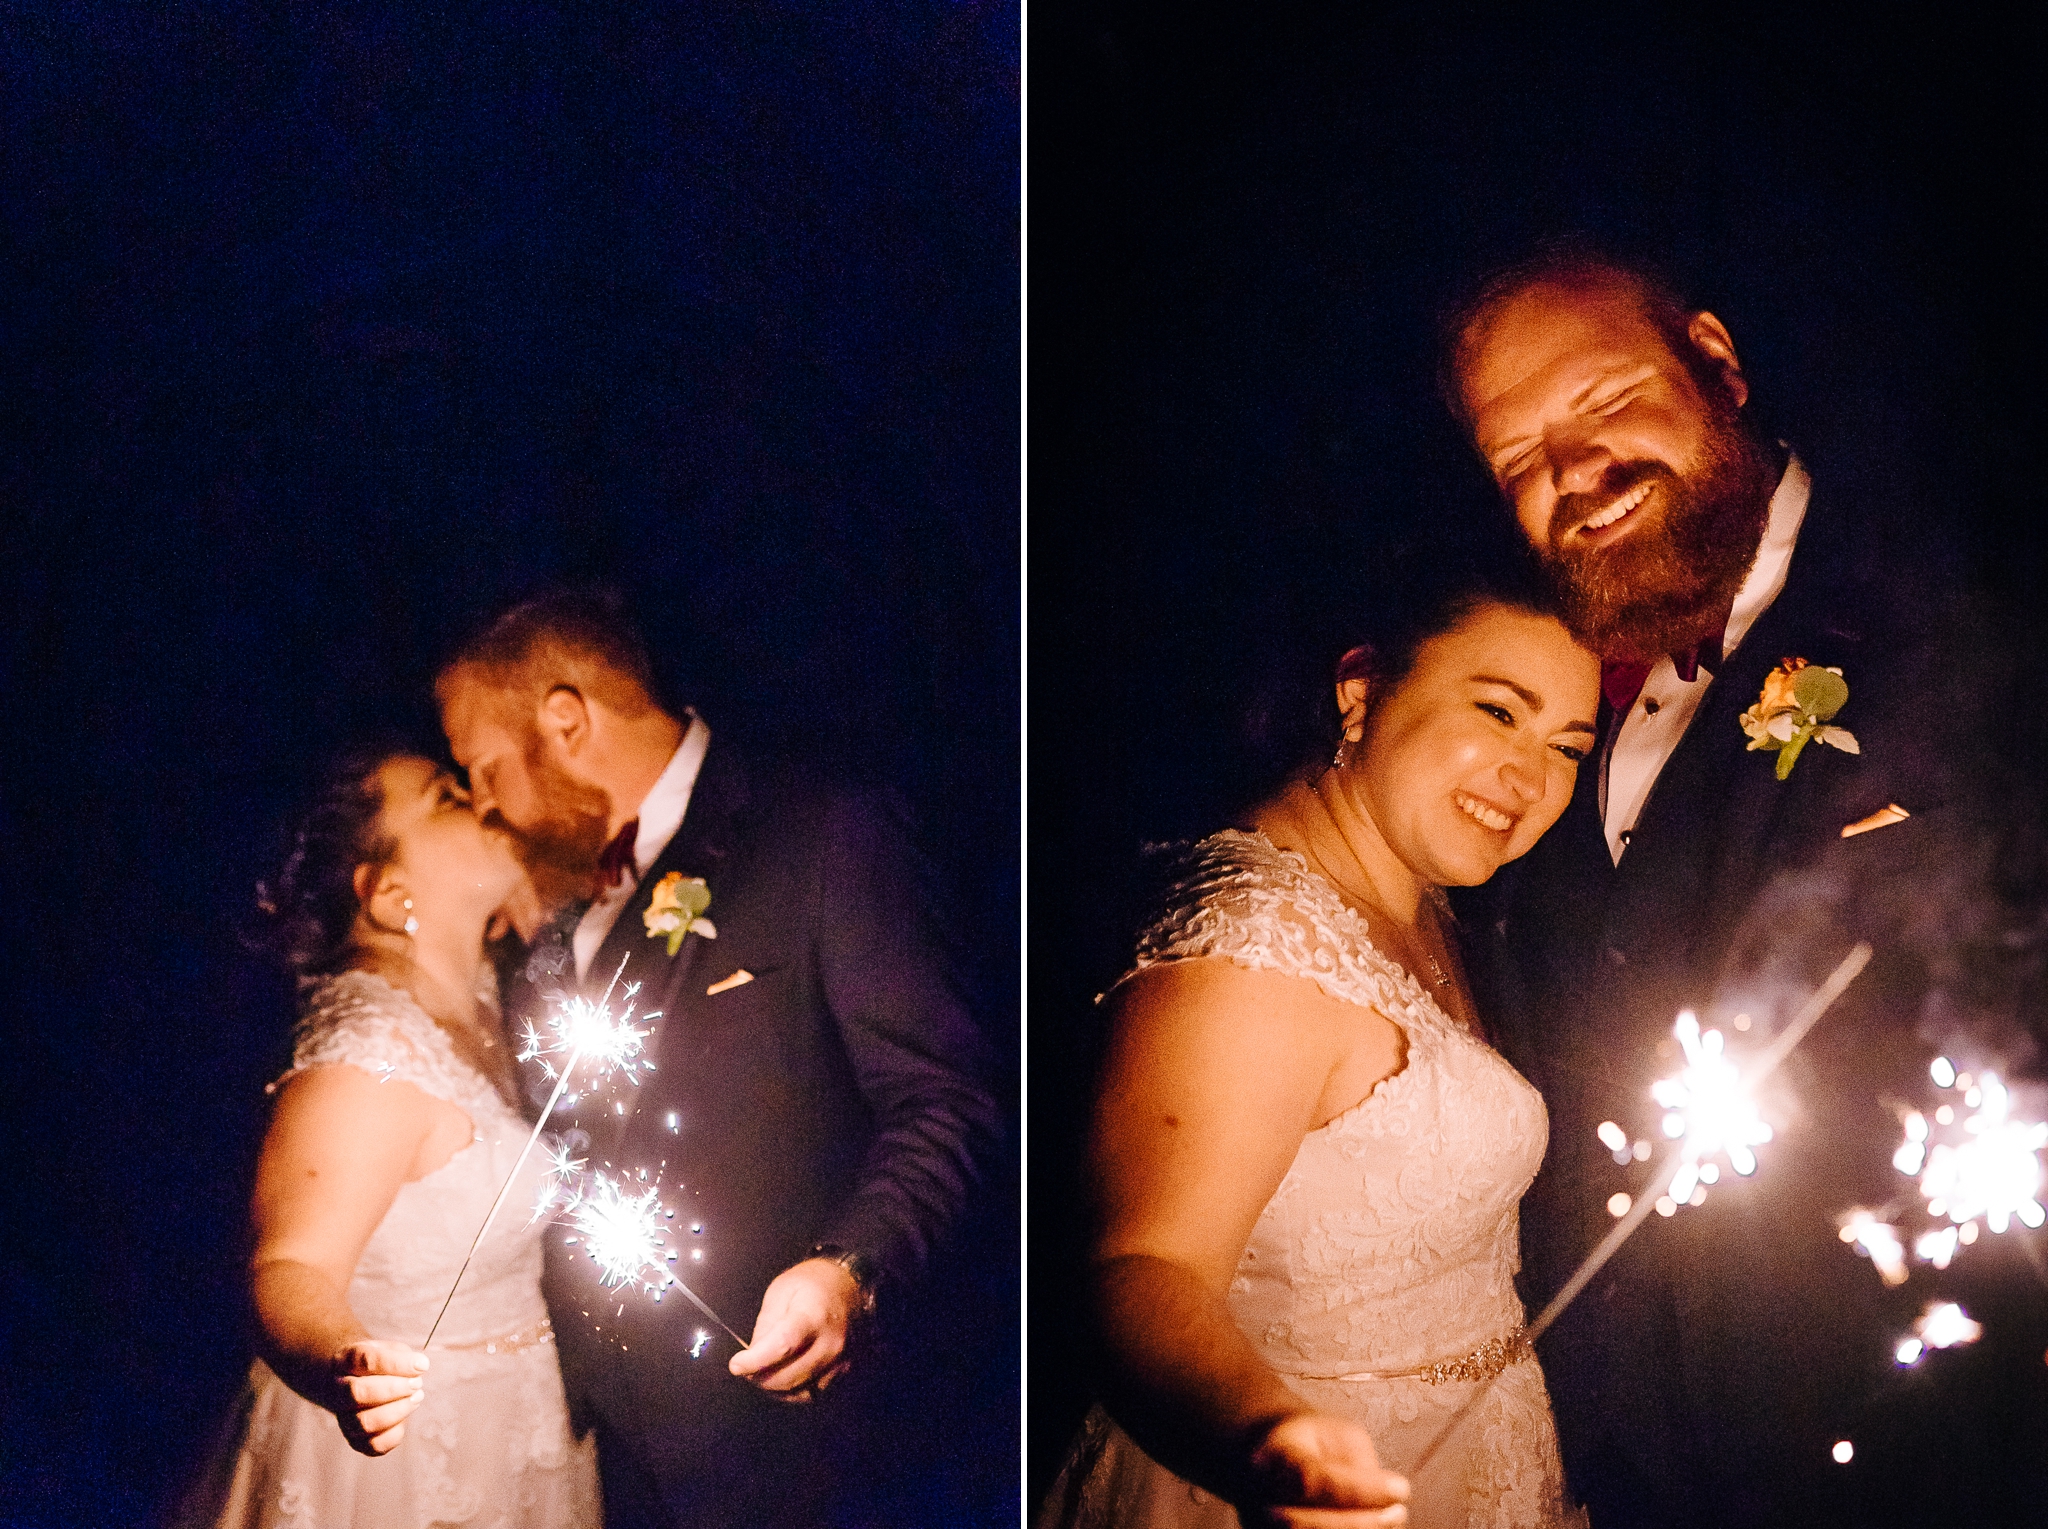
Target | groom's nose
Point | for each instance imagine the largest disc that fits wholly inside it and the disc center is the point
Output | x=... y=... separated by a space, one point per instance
x=1578 y=464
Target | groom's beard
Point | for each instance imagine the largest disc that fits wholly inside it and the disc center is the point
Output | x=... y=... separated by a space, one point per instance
x=561 y=848
x=1663 y=588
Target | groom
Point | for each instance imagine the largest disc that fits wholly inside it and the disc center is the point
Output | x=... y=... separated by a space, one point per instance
x=1710 y=1374
x=815 y=1117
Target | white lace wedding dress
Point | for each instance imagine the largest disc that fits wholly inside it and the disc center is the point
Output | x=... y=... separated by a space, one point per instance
x=1379 y=1279
x=490 y=1446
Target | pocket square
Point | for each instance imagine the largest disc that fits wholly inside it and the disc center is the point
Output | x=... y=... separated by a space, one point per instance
x=739 y=978
x=1884 y=817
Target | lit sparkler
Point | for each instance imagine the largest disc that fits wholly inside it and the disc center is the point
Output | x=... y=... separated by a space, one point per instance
x=1983 y=1166
x=1710 y=1110
x=579 y=1026
x=1723 y=1118
x=621 y=1233
x=1976 y=1171
x=625 y=1235
x=586 y=1031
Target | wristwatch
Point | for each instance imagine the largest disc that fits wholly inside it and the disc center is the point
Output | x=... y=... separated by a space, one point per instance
x=856 y=1263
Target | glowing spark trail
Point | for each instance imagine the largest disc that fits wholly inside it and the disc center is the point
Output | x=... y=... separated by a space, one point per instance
x=1985 y=1168
x=1822 y=999
x=623 y=1234
x=1976 y=1172
x=1711 y=1109
x=592 y=1026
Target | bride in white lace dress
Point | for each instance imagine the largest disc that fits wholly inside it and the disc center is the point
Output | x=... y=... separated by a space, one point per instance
x=1306 y=1160
x=394 y=1129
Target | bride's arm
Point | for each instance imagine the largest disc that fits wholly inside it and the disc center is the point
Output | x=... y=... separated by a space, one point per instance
x=339 y=1146
x=1214 y=1074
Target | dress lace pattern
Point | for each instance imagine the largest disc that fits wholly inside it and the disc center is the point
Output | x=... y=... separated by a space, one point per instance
x=491 y=1446
x=1390 y=1247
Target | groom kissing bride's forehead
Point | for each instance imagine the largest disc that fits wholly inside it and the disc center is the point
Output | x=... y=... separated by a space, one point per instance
x=1611 y=415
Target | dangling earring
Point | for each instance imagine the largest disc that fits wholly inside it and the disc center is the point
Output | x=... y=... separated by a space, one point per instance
x=1346 y=742
x=412 y=925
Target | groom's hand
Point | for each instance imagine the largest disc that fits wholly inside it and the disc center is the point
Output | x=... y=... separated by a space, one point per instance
x=799 y=1342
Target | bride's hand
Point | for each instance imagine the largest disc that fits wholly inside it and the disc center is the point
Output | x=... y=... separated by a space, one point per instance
x=1321 y=1472
x=377 y=1384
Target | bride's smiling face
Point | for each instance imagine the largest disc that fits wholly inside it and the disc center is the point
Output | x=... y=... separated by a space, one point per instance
x=1473 y=754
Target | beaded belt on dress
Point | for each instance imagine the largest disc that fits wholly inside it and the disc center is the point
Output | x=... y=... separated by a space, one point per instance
x=510 y=1343
x=1483 y=1363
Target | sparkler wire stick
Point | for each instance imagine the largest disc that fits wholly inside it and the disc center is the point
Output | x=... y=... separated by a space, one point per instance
x=698 y=1301
x=1822 y=1000
x=506 y=1188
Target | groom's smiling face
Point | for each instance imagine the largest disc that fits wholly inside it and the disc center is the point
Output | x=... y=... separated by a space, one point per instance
x=1625 y=460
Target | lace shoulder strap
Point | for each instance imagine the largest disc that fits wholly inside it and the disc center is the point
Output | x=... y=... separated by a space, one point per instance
x=1238 y=896
x=362 y=1020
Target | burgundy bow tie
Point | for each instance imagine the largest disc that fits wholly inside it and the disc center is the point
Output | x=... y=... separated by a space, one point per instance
x=1621 y=682
x=617 y=859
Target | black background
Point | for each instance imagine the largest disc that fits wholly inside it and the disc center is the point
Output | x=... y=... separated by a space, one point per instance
x=323 y=329
x=1243 y=229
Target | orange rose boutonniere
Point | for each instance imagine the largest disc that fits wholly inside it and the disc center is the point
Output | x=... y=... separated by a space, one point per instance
x=679 y=902
x=1798 y=702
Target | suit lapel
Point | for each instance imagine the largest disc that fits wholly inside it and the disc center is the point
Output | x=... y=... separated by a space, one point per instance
x=700 y=847
x=1702 y=841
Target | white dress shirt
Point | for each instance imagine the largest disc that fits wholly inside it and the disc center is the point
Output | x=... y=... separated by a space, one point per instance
x=1638 y=749
x=661 y=814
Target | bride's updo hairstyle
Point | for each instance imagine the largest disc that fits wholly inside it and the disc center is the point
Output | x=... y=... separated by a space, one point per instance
x=1377 y=636
x=310 y=905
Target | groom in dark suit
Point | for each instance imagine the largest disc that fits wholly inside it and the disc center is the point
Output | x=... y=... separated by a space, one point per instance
x=1726 y=1359
x=816 y=1115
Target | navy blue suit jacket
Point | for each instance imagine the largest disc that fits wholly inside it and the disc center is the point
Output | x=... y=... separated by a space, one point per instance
x=1704 y=1377
x=837 y=1096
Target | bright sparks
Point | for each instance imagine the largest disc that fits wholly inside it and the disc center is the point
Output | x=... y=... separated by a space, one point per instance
x=1709 y=1110
x=1879 y=1242
x=586 y=1032
x=563 y=1172
x=1982 y=1166
x=1946 y=1325
x=622 y=1233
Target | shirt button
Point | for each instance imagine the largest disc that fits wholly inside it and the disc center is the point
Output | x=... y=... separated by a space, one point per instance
x=1626 y=835
x=1650 y=706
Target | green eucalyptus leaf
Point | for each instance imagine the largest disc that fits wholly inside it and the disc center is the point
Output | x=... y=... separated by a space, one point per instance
x=1820 y=692
x=693 y=897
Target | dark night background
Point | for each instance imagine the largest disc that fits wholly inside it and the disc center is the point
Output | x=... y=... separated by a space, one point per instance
x=1241 y=234
x=323 y=329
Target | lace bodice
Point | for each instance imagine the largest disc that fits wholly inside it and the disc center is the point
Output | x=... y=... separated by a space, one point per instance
x=360 y=1020
x=1391 y=1242
x=490 y=1446
x=1379 y=1279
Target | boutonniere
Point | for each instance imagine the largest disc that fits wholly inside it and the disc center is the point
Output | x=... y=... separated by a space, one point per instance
x=679 y=901
x=1798 y=701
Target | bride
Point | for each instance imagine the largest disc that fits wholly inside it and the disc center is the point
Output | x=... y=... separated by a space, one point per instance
x=393 y=1131
x=1305 y=1160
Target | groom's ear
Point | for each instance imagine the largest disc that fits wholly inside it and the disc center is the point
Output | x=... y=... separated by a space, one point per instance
x=565 y=717
x=1711 y=338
